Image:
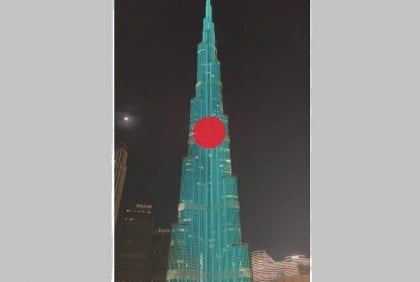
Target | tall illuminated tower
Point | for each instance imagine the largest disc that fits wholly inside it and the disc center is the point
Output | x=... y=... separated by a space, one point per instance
x=206 y=241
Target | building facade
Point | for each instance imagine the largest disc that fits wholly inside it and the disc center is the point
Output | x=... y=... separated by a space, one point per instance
x=295 y=265
x=132 y=244
x=159 y=255
x=266 y=269
x=295 y=278
x=120 y=164
x=206 y=242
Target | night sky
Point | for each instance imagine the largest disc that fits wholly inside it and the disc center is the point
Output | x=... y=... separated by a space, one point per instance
x=263 y=47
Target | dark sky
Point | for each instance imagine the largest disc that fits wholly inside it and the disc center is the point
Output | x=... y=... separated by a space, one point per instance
x=263 y=47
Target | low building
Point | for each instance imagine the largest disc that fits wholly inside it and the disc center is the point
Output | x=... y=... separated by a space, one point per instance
x=266 y=269
x=295 y=278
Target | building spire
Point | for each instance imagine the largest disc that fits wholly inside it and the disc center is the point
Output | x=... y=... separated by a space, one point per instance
x=208 y=10
x=208 y=25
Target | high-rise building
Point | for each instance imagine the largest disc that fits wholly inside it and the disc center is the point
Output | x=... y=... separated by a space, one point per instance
x=266 y=269
x=206 y=242
x=159 y=255
x=132 y=244
x=119 y=175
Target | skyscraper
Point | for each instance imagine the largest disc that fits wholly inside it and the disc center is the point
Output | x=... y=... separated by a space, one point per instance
x=132 y=244
x=120 y=171
x=159 y=255
x=206 y=241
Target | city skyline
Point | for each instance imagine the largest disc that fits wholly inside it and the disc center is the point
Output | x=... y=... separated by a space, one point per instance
x=266 y=95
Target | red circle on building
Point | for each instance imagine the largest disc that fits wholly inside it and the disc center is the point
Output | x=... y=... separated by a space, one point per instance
x=209 y=132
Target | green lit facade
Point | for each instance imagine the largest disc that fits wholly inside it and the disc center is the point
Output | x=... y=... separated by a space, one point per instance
x=206 y=241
